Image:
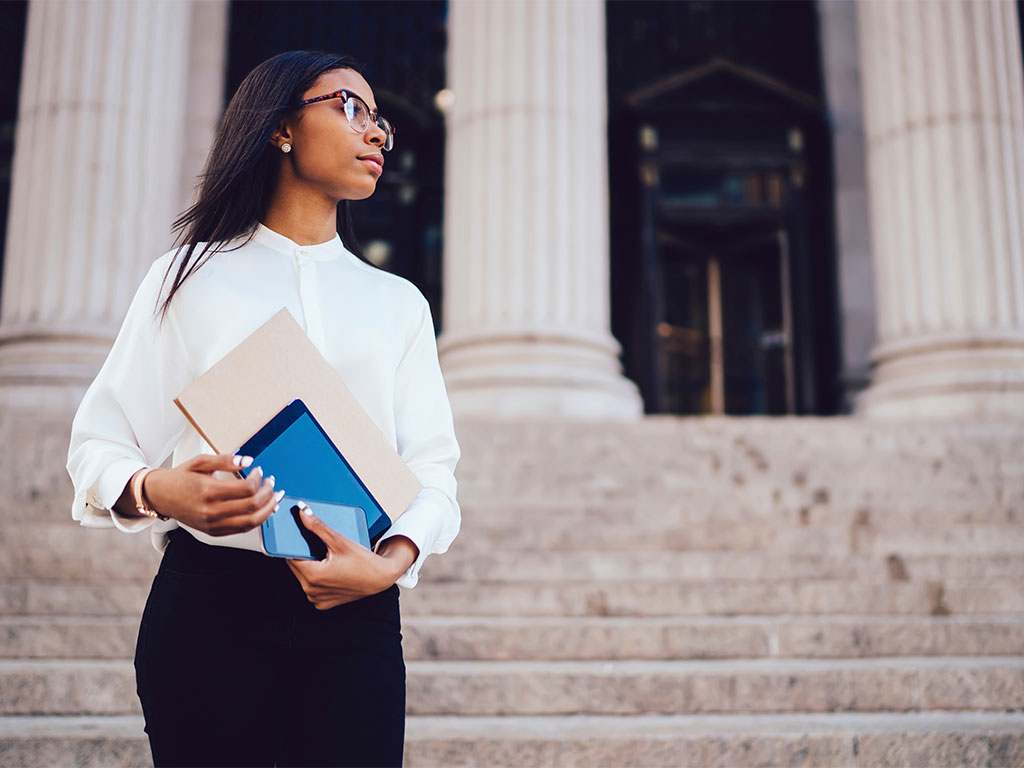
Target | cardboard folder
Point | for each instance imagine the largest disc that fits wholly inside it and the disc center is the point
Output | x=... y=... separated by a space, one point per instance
x=233 y=400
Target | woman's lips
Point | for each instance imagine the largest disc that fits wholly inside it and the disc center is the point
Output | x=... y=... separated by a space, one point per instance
x=378 y=167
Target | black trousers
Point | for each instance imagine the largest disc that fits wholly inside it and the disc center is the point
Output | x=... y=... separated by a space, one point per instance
x=235 y=667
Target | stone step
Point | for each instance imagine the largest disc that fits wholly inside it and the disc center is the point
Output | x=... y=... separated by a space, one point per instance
x=861 y=740
x=63 y=637
x=800 y=596
x=600 y=598
x=846 y=480
x=836 y=540
x=707 y=686
x=570 y=566
x=792 y=460
x=113 y=741
x=77 y=687
x=818 y=507
x=539 y=638
x=890 y=488
x=34 y=597
x=623 y=487
x=68 y=552
x=535 y=638
x=744 y=553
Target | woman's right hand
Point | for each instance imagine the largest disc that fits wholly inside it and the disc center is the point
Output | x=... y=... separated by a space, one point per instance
x=192 y=495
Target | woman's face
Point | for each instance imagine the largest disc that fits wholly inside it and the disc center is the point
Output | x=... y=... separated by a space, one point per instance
x=326 y=150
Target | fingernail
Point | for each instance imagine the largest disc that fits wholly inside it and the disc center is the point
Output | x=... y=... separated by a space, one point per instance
x=271 y=481
x=278 y=496
x=306 y=510
x=258 y=470
x=243 y=461
x=277 y=507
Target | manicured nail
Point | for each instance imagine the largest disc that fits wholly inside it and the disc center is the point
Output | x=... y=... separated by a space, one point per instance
x=258 y=472
x=305 y=508
x=278 y=496
x=277 y=507
x=243 y=461
x=271 y=481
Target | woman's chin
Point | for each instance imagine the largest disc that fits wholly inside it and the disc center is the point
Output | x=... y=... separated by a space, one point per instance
x=364 y=192
x=355 y=189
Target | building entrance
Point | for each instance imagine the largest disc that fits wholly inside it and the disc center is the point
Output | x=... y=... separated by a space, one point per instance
x=724 y=231
x=723 y=261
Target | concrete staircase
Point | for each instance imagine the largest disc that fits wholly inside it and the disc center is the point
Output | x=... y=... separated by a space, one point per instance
x=678 y=592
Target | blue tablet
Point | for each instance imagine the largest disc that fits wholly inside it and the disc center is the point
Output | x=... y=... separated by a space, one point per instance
x=306 y=464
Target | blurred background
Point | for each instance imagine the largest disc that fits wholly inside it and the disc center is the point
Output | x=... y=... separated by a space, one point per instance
x=730 y=307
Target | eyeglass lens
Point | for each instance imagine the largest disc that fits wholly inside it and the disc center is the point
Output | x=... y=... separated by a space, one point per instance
x=359 y=118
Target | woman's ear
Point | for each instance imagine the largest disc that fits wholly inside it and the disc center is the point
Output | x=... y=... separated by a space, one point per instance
x=282 y=137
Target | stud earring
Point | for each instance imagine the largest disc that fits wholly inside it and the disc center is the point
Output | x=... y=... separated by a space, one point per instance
x=286 y=148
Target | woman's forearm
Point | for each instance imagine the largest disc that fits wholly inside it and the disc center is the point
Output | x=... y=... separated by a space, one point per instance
x=125 y=505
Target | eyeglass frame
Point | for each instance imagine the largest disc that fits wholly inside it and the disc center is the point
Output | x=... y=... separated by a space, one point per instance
x=345 y=94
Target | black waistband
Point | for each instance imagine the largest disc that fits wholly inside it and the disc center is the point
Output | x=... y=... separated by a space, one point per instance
x=186 y=554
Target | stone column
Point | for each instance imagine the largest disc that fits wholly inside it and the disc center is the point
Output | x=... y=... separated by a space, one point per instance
x=526 y=306
x=96 y=185
x=945 y=134
x=208 y=52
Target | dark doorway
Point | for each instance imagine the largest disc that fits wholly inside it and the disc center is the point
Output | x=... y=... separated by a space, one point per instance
x=13 y=16
x=723 y=265
x=402 y=45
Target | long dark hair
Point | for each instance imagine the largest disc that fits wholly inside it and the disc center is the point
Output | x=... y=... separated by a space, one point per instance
x=236 y=183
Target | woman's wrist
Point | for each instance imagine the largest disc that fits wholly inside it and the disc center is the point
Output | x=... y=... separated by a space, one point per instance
x=125 y=505
x=400 y=553
x=142 y=503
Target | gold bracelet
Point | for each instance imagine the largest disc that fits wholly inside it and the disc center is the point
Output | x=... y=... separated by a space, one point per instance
x=137 y=494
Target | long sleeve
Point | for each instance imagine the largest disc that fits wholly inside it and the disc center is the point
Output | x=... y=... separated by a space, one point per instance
x=426 y=439
x=127 y=418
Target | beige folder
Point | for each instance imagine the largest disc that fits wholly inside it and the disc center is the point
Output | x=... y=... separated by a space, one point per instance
x=276 y=364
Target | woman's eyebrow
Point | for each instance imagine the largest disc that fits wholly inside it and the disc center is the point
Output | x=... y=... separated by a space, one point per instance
x=349 y=90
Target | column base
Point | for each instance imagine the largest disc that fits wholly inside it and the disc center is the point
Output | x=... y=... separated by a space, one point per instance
x=948 y=377
x=526 y=373
x=49 y=372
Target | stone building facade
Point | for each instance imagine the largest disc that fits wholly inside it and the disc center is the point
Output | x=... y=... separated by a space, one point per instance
x=929 y=255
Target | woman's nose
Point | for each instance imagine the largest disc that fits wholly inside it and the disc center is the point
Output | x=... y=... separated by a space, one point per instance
x=375 y=134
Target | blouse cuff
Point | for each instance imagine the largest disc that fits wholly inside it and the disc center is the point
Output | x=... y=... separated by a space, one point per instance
x=108 y=489
x=423 y=524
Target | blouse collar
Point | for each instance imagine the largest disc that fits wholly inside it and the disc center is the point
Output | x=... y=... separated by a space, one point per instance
x=332 y=249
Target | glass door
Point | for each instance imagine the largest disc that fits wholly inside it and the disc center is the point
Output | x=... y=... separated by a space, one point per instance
x=724 y=343
x=757 y=358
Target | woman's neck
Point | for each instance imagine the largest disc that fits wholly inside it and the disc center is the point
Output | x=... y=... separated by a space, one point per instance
x=303 y=216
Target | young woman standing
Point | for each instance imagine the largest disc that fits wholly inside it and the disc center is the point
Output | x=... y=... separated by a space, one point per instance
x=244 y=659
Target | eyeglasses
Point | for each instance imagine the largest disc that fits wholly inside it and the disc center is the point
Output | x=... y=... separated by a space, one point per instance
x=358 y=114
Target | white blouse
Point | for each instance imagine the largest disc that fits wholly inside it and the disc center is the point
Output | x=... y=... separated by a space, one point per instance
x=374 y=327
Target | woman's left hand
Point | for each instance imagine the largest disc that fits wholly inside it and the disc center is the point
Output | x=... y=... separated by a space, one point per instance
x=350 y=571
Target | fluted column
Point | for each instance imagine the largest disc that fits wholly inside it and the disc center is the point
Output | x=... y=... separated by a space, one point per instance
x=95 y=187
x=945 y=134
x=526 y=307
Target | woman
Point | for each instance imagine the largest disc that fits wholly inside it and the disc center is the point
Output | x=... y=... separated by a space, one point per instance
x=244 y=659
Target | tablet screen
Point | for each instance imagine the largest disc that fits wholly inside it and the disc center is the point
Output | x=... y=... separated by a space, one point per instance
x=304 y=462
